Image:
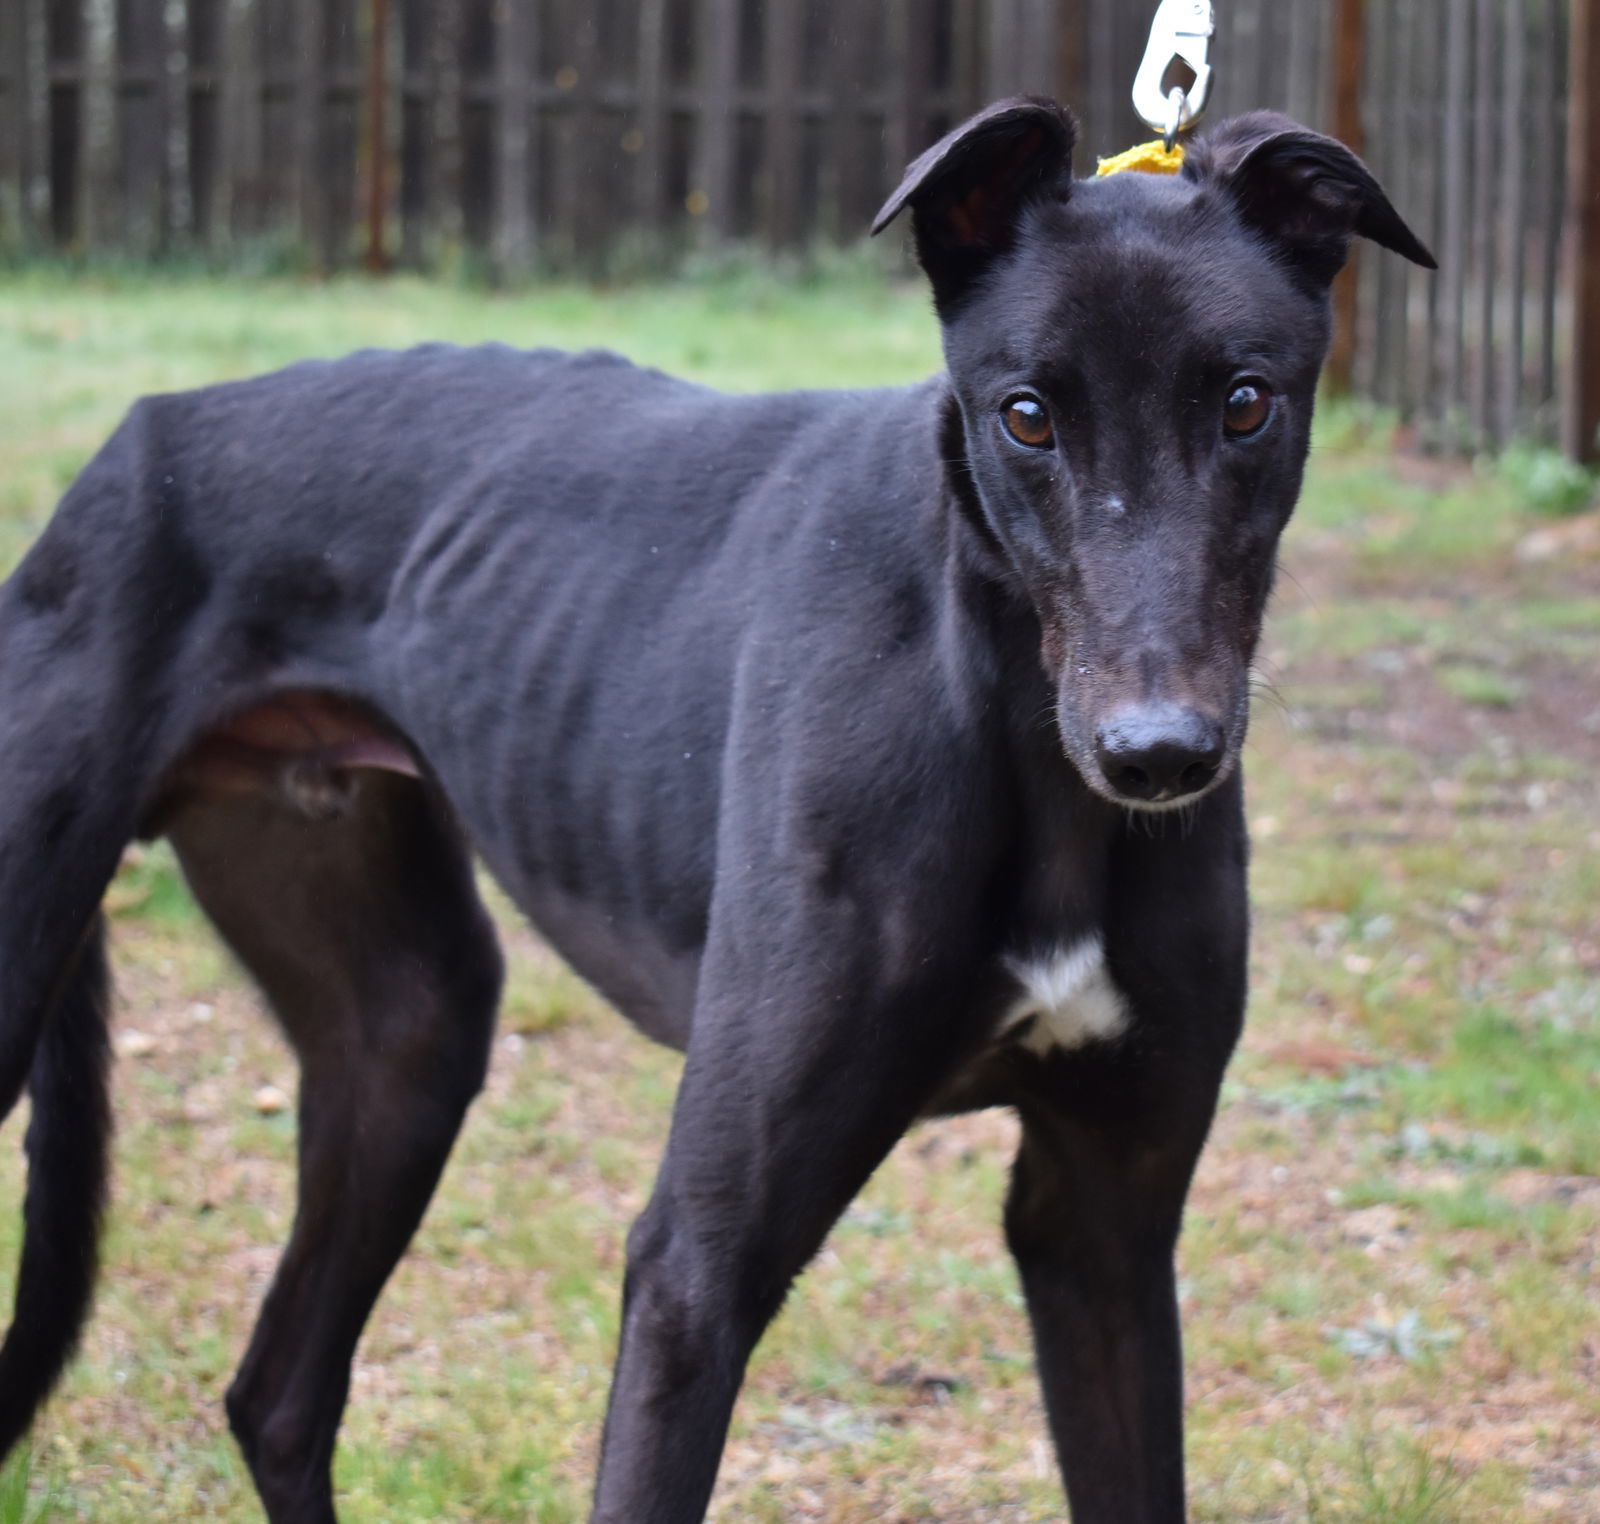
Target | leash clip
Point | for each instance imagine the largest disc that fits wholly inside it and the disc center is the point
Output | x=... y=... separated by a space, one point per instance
x=1181 y=33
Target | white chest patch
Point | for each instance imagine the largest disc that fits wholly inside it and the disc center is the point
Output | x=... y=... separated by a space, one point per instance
x=1069 y=997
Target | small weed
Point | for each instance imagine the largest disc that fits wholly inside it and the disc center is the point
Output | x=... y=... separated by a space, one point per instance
x=1417 y=1487
x=1423 y=1143
x=20 y=1503
x=1406 y=1337
x=1481 y=686
x=1546 y=481
x=1311 y=1096
x=1375 y=1482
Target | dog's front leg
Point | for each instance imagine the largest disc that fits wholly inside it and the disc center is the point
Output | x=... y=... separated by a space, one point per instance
x=1111 y=1134
x=1092 y=1219
x=814 y=1048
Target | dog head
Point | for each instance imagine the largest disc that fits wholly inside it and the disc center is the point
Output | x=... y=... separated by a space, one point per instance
x=1134 y=360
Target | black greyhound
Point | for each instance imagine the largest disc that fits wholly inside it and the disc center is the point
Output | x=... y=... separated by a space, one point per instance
x=820 y=731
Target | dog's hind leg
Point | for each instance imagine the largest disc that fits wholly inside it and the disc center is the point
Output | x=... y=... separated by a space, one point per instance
x=367 y=935
x=67 y=1147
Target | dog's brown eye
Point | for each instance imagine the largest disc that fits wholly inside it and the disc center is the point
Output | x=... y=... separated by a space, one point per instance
x=1248 y=407
x=1027 y=422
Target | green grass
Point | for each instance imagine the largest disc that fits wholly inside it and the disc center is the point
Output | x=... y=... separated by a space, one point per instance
x=1409 y=1140
x=20 y=1503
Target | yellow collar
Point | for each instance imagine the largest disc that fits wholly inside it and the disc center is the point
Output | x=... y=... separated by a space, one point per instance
x=1144 y=158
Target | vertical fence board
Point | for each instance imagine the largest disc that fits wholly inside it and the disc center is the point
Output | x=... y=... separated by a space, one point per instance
x=1349 y=26
x=205 y=46
x=1302 y=97
x=375 y=140
x=1424 y=119
x=513 y=181
x=240 y=212
x=11 y=65
x=1000 y=48
x=1264 y=86
x=712 y=195
x=1388 y=318
x=589 y=179
x=910 y=50
x=310 y=98
x=1240 y=43
x=1553 y=154
x=1100 y=49
x=1072 y=57
x=650 y=120
x=850 y=170
x=966 y=79
x=557 y=129
x=476 y=118
x=1452 y=354
x=141 y=124
x=36 y=154
x=1417 y=83
x=417 y=76
x=1395 y=337
x=98 y=217
x=1036 y=48
x=1581 y=422
x=64 y=42
x=1484 y=215
x=783 y=42
x=394 y=129
x=343 y=85
x=1514 y=169
x=177 y=222
x=13 y=125
x=446 y=137
x=1378 y=51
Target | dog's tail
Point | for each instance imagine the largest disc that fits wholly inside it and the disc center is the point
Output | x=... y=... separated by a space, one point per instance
x=90 y=622
x=67 y=1146
x=73 y=722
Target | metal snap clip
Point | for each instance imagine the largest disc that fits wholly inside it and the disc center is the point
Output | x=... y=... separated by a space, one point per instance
x=1180 y=33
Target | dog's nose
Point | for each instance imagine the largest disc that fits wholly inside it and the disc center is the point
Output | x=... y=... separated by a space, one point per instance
x=1161 y=751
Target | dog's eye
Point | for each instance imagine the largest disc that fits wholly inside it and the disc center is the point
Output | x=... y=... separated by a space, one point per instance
x=1026 y=421
x=1247 y=409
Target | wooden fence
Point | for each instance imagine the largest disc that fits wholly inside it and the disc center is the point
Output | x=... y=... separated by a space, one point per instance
x=593 y=134
x=1465 y=123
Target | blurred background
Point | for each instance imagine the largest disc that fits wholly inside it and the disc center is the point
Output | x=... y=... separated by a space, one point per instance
x=610 y=136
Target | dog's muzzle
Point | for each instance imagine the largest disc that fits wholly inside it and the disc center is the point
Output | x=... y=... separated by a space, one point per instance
x=1159 y=753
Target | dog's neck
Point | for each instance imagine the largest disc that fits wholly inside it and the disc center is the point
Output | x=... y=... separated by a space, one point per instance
x=980 y=547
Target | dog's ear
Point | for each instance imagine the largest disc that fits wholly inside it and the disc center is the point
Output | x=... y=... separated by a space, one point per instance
x=967 y=193
x=1307 y=193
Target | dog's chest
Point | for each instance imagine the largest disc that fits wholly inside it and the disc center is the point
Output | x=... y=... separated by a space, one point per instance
x=1067 y=1000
